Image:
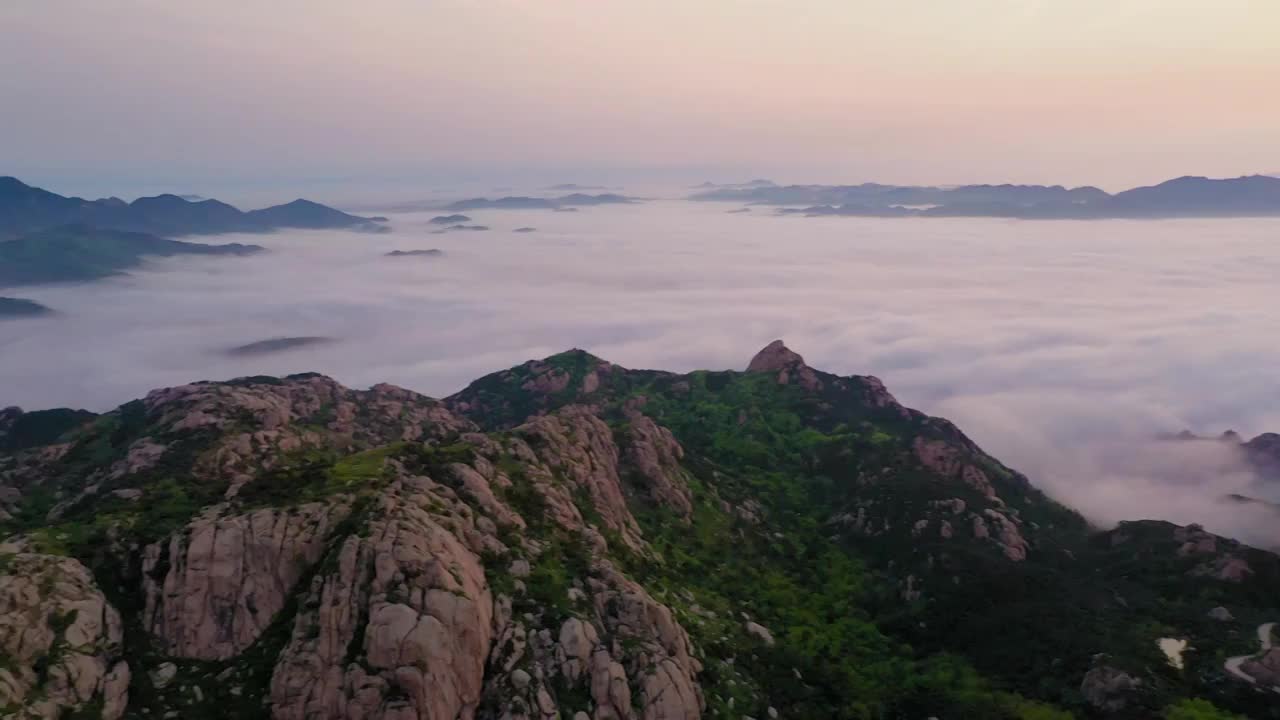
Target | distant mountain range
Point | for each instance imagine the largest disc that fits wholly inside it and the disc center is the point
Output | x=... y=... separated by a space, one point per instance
x=75 y=253
x=756 y=183
x=576 y=186
x=17 y=307
x=518 y=202
x=25 y=209
x=1250 y=196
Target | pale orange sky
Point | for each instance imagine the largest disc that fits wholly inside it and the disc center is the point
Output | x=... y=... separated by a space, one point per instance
x=1110 y=92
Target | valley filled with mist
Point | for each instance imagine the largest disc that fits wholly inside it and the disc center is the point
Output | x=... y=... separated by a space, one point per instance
x=1063 y=347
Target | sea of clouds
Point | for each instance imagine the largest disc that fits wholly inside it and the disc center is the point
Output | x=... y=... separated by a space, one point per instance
x=1061 y=347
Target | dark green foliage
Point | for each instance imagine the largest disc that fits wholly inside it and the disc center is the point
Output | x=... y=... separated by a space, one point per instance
x=91 y=710
x=251 y=380
x=24 y=208
x=522 y=495
x=433 y=460
x=803 y=456
x=501 y=400
x=314 y=475
x=18 y=307
x=564 y=561
x=1197 y=709
x=85 y=527
x=77 y=252
x=42 y=427
x=815 y=598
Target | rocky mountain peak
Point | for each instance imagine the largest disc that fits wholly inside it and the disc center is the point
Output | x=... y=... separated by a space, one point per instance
x=570 y=538
x=775 y=356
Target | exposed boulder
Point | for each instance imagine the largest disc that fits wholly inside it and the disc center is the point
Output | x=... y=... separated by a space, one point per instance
x=163 y=675
x=400 y=626
x=1108 y=689
x=1224 y=560
x=1264 y=668
x=626 y=645
x=777 y=357
x=53 y=617
x=1011 y=542
x=259 y=421
x=759 y=631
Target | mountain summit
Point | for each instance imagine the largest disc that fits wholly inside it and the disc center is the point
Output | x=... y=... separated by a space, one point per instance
x=775 y=356
x=570 y=538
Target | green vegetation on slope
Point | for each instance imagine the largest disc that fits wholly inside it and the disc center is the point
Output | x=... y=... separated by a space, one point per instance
x=868 y=620
x=75 y=253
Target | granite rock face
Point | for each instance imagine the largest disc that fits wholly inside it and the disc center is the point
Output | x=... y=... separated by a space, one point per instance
x=774 y=357
x=61 y=640
x=406 y=622
x=399 y=627
x=228 y=577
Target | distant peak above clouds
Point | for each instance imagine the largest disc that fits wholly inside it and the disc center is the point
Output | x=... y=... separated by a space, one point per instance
x=521 y=202
x=1187 y=196
x=25 y=208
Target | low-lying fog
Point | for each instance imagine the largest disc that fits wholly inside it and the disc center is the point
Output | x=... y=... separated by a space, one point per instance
x=1061 y=347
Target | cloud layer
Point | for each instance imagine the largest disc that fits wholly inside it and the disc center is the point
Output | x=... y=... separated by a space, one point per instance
x=1061 y=347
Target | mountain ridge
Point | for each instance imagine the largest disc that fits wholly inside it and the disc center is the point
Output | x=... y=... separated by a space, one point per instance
x=78 y=253
x=1187 y=196
x=25 y=208
x=571 y=537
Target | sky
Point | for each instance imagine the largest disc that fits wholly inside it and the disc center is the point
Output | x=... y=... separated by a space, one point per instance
x=247 y=96
x=1061 y=347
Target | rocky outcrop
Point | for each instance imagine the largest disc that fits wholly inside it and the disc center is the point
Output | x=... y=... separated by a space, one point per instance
x=654 y=456
x=542 y=546
x=1006 y=533
x=760 y=632
x=1108 y=689
x=404 y=623
x=776 y=357
x=213 y=588
x=576 y=460
x=511 y=397
x=60 y=639
x=624 y=645
x=950 y=460
x=1224 y=559
x=259 y=421
x=399 y=627
x=1265 y=668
